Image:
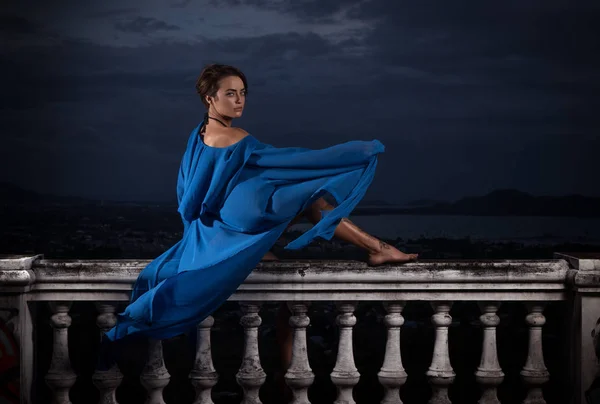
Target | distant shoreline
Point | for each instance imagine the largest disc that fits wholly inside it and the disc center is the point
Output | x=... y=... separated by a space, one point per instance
x=360 y=211
x=500 y=203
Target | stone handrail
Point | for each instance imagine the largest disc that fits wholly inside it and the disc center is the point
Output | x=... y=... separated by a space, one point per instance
x=318 y=280
x=572 y=278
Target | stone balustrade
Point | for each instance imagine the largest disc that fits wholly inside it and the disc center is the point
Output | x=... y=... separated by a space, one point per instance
x=574 y=279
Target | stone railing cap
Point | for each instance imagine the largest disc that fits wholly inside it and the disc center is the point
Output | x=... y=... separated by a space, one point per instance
x=16 y=262
x=582 y=261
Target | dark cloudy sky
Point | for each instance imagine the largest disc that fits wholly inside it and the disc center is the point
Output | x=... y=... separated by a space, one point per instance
x=98 y=97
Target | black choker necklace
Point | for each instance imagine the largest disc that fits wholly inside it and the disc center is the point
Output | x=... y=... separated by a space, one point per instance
x=210 y=117
x=206 y=118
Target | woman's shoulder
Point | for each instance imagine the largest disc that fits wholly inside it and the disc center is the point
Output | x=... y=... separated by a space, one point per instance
x=239 y=131
x=225 y=137
x=236 y=134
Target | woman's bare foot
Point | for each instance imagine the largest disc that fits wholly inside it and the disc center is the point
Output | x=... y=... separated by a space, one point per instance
x=388 y=254
x=269 y=256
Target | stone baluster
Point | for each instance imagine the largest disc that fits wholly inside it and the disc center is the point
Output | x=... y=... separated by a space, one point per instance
x=392 y=375
x=107 y=381
x=155 y=376
x=489 y=374
x=345 y=375
x=251 y=374
x=60 y=377
x=203 y=376
x=299 y=375
x=534 y=373
x=440 y=371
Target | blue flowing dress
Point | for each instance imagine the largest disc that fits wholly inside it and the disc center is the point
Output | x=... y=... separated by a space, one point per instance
x=235 y=202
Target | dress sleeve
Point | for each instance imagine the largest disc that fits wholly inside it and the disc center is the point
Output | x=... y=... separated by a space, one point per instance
x=288 y=180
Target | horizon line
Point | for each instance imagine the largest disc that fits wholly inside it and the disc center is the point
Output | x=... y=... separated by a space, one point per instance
x=173 y=201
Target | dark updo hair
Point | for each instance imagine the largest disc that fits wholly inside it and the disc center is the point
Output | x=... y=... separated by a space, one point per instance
x=208 y=82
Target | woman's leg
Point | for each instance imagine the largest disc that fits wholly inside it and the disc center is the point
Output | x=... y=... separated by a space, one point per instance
x=379 y=252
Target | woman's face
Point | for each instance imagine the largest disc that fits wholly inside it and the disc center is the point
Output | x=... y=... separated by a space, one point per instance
x=230 y=98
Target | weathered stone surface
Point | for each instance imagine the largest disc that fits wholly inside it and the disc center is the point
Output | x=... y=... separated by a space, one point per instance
x=299 y=375
x=534 y=371
x=489 y=374
x=60 y=377
x=251 y=374
x=392 y=374
x=345 y=375
x=584 y=281
x=34 y=279
x=440 y=372
x=107 y=381
x=155 y=376
x=203 y=375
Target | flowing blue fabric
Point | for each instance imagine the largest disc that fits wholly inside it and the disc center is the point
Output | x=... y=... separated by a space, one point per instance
x=235 y=202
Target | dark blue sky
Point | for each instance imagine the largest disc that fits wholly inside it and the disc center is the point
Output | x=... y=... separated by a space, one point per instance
x=98 y=99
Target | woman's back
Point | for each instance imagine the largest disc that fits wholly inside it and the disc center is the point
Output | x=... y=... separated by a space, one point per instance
x=221 y=137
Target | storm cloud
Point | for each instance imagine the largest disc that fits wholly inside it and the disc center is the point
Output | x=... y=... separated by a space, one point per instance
x=467 y=96
x=144 y=25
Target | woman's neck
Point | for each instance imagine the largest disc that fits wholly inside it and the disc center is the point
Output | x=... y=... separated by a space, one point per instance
x=224 y=121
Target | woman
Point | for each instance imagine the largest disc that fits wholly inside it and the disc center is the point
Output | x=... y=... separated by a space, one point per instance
x=236 y=197
x=223 y=90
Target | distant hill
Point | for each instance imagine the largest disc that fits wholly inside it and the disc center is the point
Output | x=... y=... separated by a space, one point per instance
x=505 y=202
x=374 y=202
x=421 y=203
